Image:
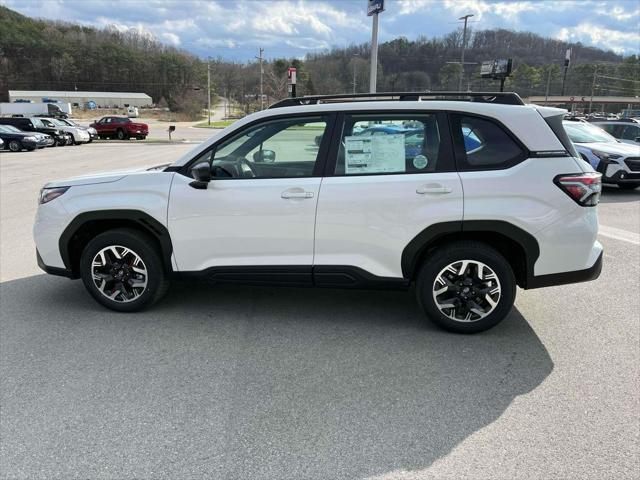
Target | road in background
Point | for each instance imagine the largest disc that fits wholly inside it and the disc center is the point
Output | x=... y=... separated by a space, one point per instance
x=225 y=381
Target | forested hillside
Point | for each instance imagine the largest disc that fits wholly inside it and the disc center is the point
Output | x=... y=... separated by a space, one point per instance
x=45 y=55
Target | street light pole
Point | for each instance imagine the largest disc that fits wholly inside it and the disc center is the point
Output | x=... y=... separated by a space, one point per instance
x=354 y=72
x=464 y=43
x=261 y=95
x=373 y=77
x=209 y=92
x=593 y=87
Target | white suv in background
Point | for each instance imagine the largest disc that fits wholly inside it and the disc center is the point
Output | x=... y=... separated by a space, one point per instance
x=463 y=199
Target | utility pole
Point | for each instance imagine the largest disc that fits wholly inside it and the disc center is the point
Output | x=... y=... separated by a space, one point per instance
x=354 y=72
x=546 y=93
x=373 y=76
x=464 y=43
x=209 y=91
x=567 y=61
x=593 y=86
x=261 y=96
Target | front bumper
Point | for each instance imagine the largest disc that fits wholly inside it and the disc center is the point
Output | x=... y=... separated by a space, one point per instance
x=622 y=176
x=61 y=272
x=45 y=142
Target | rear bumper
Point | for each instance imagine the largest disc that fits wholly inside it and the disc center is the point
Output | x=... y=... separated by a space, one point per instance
x=563 y=278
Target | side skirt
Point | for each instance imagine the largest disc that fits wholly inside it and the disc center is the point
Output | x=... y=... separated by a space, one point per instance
x=326 y=276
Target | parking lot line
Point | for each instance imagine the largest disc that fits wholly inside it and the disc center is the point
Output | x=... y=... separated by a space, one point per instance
x=619 y=234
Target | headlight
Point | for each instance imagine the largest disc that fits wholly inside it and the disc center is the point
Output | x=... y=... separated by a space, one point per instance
x=30 y=138
x=48 y=194
x=605 y=156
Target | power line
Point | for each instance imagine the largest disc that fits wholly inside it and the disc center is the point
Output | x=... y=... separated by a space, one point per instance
x=619 y=79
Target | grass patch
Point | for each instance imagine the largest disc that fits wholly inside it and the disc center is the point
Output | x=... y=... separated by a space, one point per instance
x=216 y=124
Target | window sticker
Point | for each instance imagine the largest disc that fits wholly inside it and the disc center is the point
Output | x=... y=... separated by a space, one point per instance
x=374 y=154
x=420 y=161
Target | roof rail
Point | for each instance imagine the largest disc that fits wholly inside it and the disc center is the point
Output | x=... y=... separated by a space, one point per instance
x=505 y=98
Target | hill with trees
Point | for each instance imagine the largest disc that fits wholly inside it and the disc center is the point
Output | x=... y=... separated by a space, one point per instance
x=46 y=55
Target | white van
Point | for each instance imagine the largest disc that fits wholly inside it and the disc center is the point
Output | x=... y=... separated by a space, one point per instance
x=132 y=112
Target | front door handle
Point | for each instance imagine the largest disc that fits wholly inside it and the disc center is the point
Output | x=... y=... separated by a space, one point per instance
x=433 y=189
x=287 y=195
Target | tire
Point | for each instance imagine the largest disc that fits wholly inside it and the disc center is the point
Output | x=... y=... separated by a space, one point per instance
x=120 y=134
x=60 y=143
x=15 y=146
x=140 y=245
x=73 y=140
x=460 y=319
x=628 y=186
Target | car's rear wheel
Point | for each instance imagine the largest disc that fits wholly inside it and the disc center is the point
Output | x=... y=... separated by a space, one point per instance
x=466 y=287
x=15 y=146
x=123 y=271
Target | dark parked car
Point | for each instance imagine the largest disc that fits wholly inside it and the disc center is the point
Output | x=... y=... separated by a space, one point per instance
x=121 y=128
x=30 y=125
x=17 y=140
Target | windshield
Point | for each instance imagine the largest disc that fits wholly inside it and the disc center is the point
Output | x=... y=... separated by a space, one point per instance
x=37 y=123
x=57 y=122
x=585 y=133
x=10 y=129
x=70 y=123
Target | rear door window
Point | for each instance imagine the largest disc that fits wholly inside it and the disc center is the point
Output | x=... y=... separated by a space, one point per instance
x=482 y=144
x=392 y=143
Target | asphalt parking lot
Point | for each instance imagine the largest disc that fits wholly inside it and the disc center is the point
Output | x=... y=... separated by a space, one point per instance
x=239 y=382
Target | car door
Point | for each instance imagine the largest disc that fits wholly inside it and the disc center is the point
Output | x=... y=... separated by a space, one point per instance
x=380 y=191
x=258 y=212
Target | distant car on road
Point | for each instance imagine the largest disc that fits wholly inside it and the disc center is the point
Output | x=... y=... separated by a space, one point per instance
x=618 y=162
x=132 y=112
x=121 y=128
x=626 y=130
x=34 y=125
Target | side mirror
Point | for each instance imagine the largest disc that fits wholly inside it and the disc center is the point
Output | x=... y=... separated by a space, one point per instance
x=265 y=156
x=202 y=174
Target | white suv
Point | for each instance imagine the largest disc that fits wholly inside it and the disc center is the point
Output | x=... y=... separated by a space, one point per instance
x=463 y=199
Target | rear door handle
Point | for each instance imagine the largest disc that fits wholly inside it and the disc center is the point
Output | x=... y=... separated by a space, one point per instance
x=287 y=195
x=433 y=189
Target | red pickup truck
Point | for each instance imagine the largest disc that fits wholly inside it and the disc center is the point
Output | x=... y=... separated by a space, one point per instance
x=121 y=128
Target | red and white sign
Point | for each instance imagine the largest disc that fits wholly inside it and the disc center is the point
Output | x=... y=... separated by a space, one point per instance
x=291 y=75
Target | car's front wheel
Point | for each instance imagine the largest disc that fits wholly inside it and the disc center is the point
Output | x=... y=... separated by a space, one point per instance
x=15 y=146
x=466 y=287
x=123 y=271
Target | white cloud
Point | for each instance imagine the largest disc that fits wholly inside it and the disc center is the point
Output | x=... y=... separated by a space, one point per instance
x=170 y=38
x=602 y=37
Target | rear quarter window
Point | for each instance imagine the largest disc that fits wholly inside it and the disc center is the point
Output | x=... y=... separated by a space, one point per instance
x=482 y=144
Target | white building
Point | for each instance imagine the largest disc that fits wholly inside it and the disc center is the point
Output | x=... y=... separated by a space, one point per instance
x=79 y=99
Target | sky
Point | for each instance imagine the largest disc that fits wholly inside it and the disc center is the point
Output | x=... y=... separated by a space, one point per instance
x=235 y=29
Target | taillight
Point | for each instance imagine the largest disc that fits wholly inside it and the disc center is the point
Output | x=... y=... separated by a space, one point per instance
x=584 y=188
